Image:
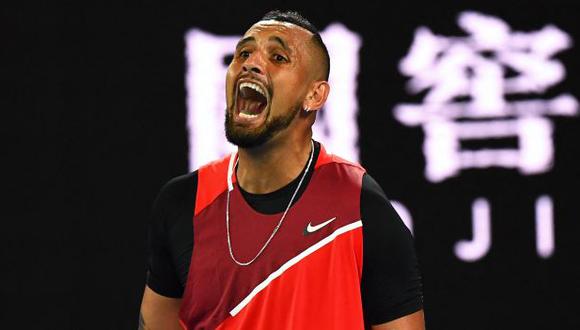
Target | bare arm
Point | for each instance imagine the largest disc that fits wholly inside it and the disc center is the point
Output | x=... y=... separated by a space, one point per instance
x=159 y=312
x=413 y=321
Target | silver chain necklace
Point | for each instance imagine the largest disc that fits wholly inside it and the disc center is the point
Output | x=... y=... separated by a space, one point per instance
x=279 y=222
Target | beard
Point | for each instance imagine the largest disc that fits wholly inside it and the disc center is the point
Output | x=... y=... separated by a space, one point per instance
x=249 y=138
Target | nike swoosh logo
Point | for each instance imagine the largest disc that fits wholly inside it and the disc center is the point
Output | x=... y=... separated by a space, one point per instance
x=310 y=228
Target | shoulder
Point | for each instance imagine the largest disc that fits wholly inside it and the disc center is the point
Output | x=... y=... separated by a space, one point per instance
x=376 y=208
x=175 y=197
x=340 y=170
x=326 y=158
x=179 y=186
x=213 y=179
x=217 y=167
x=372 y=190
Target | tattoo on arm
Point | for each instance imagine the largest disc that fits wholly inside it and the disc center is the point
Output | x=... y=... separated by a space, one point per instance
x=141 y=322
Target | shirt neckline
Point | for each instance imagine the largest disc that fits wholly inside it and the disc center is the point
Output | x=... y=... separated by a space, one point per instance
x=276 y=201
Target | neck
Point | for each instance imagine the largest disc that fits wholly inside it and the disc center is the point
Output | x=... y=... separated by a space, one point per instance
x=269 y=167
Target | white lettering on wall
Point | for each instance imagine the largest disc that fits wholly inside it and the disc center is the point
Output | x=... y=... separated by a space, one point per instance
x=467 y=81
x=476 y=248
x=544 y=226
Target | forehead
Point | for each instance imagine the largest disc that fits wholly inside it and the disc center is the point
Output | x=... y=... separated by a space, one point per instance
x=285 y=30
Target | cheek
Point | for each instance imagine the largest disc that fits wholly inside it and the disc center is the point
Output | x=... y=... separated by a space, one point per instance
x=287 y=98
x=292 y=88
x=229 y=75
x=230 y=78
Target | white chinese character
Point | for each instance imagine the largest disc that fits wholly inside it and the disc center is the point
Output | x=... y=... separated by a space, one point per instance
x=466 y=81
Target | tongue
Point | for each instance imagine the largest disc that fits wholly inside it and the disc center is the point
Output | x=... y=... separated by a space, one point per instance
x=251 y=102
x=250 y=107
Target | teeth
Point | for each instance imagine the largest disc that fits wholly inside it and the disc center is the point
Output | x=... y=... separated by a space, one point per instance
x=253 y=86
x=247 y=115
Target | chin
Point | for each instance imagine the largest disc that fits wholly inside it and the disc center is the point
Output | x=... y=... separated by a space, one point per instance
x=245 y=137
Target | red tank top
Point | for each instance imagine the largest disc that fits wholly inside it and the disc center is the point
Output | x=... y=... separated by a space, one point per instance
x=308 y=277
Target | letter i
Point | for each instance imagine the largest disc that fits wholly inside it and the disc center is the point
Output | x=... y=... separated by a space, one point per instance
x=544 y=226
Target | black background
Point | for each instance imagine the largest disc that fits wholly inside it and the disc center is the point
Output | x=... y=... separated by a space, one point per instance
x=94 y=106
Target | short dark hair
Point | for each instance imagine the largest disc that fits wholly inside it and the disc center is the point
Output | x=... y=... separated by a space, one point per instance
x=297 y=19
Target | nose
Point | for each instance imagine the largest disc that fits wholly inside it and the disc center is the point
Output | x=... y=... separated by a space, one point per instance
x=254 y=63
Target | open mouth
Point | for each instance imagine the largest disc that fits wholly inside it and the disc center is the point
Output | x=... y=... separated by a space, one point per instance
x=251 y=101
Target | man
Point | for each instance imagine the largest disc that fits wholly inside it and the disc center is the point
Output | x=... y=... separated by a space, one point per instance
x=281 y=234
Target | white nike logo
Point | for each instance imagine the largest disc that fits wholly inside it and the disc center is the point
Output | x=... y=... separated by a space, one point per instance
x=310 y=228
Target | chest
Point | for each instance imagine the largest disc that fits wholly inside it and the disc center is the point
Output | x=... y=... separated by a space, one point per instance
x=217 y=285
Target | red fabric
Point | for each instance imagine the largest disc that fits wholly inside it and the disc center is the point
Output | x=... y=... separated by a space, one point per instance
x=327 y=281
x=326 y=158
x=320 y=292
x=213 y=179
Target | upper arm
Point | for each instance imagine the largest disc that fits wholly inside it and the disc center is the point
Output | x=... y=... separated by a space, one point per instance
x=391 y=282
x=162 y=275
x=170 y=247
x=159 y=312
x=171 y=236
x=414 y=321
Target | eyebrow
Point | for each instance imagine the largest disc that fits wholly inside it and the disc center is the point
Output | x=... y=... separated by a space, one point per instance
x=245 y=41
x=275 y=39
x=281 y=42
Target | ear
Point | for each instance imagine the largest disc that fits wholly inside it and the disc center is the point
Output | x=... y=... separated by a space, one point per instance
x=317 y=96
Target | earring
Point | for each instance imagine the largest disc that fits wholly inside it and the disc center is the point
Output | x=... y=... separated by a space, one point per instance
x=307 y=109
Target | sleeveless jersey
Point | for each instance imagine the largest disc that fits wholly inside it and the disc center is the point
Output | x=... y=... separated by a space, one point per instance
x=308 y=277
